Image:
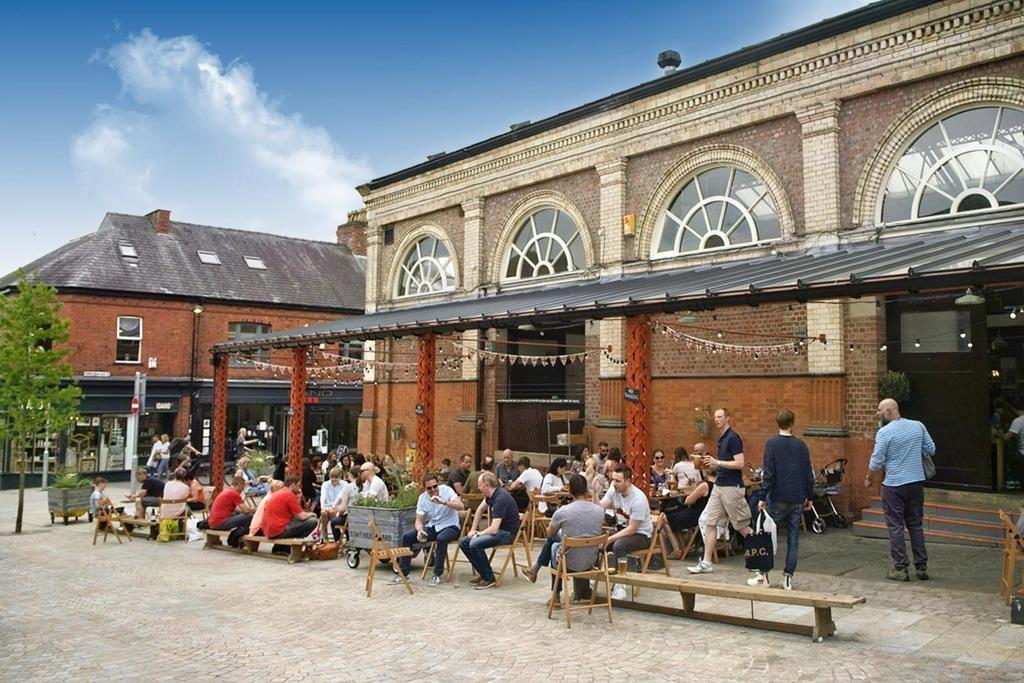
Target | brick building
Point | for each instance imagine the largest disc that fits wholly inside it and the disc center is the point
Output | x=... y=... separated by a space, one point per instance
x=150 y=295
x=777 y=227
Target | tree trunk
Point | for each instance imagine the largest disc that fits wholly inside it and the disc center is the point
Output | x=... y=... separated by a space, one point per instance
x=21 y=498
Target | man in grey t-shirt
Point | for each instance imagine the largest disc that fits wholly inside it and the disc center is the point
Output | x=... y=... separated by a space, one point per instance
x=580 y=518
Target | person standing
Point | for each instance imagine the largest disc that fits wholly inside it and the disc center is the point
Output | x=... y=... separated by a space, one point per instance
x=899 y=448
x=1015 y=442
x=788 y=484
x=728 y=501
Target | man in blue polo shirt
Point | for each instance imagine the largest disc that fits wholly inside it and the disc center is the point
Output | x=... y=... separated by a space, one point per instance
x=728 y=501
x=501 y=531
x=899 y=448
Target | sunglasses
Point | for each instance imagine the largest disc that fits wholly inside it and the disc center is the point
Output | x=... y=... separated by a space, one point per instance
x=432 y=488
x=659 y=457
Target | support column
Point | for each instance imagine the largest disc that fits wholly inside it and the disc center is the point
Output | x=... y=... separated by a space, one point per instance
x=820 y=133
x=638 y=412
x=473 y=245
x=220 y=421
x=374 y=239
x=613 y=207
x=612 y=376
x=297 y=422
x=426 y=371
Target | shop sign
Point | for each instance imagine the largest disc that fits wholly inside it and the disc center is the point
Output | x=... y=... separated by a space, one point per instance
x=95 y=373
x=164 y=405
x=631 y=395
x=420 y=410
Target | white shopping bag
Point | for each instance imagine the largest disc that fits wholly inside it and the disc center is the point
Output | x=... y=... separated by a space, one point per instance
x=194 y=534
x=768 y=525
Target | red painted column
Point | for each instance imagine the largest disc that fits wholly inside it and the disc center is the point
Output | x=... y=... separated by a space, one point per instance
x=220 y=421
x=426 y=373
x=638 y=413
x=297 y=423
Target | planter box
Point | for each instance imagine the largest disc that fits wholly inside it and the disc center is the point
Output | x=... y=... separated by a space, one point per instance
x=68 y=502
x=392 y=523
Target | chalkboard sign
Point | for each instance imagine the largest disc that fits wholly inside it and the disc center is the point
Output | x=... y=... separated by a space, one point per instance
x=419 y=409
x=631 y=395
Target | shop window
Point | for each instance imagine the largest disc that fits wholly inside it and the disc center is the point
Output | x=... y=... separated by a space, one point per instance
x=243 y=330
x=718 y=208
x=547 y=243
x=426 y=268
x=935 y=332
x=129 y=339
x=969 y=160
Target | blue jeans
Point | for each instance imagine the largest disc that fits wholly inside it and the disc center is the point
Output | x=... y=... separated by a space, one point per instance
x=904 y=507
x=549 y=553
x=442 y=537
x=475 y=550
x=788 y=515
x=161 y=468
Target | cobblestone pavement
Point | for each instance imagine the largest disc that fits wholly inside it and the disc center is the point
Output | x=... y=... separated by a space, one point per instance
x=175 y=611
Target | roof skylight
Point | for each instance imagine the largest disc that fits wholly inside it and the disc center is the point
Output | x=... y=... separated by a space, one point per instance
x=209 y=257
x=255 y=262
x=127 y=251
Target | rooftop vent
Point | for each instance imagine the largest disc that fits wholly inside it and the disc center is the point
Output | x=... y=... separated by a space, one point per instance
x=208 y=257
x=669 y=61
x=521 y=124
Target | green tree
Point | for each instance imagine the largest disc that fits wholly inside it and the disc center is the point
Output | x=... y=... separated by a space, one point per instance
x=33 y=349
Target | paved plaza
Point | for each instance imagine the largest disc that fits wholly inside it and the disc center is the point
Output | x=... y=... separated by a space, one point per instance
x=177 y=612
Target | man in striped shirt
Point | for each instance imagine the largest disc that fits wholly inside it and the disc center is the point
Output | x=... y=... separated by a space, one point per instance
x=899 y=446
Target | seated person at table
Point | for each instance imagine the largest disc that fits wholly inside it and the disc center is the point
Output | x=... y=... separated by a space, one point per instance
x=373 y=486
x=284 y=517
x=458 y=477
x=253 y=485
x=578 y=519
x=349 y=493
x=527 y=482
x=612 y=462
x=507 y=470
x=176 y=489
x=228 y=511
x=683 y=470
x=501 y=531
x=659 y=471
x=486 y=465
x=553 y=482
x=688 y=516
x=330 y=500
x=98 y=501
x=437 y=520
x=632 y=517
x=151 y=490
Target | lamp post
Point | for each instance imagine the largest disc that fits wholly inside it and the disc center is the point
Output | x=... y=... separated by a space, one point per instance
x=193 y=396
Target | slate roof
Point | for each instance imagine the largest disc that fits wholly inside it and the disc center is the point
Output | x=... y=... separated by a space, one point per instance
x=939 y=258
x=299 y=272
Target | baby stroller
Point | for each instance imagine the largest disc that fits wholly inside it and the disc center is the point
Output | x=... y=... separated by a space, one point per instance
x=828 y=482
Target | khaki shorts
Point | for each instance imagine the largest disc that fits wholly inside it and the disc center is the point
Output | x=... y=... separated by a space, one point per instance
x=728 y=504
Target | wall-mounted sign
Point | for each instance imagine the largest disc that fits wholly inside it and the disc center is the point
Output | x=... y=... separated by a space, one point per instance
x=163 y=405
x=95 y=373
x=631 y=395
x=420 y=410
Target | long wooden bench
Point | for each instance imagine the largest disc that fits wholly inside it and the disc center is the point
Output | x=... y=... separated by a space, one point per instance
x=216 y=538
x=822 y=603
x=132 y=523
x=298 y=548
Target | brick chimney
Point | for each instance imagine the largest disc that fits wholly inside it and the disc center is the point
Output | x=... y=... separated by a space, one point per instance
x=161 y=220
x=352 y=234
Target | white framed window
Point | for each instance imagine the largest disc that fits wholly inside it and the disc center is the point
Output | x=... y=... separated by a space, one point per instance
x=968 y=160
x=209 y=258
x=238 y=331
x=546 y=243
x=426 y=268
x=255 y=262
x=127 y=251
x=717 y=208
x=129 y=339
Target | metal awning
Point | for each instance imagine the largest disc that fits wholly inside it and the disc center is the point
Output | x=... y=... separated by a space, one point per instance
x=938 y=258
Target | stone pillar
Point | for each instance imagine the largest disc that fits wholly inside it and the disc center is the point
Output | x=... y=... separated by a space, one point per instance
x=297 y=422
x=613 y=208
x=820 y=133
x=426 y=372
x=220 y=421
x=473 y=261
x=374 y=239
x=638 y=411
x=612 y=376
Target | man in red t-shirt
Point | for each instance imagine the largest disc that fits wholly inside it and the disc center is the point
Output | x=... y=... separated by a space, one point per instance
x=283 y=516
x=228 y=511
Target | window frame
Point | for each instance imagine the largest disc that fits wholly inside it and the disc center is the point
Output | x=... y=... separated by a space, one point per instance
x=119 y=338
x=259 y=356
x=204 y=257
x=528 y=222
x=249 y=260
x=404 y=273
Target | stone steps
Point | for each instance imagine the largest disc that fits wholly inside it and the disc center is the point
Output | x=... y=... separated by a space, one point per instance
x=943 y=523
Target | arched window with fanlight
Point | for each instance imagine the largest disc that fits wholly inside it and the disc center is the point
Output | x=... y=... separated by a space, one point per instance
x=968 y=160
x=717 y=208
x=547 y=242
x=426 y=268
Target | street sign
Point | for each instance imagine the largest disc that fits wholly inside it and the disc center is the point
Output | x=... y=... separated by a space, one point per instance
x=135 y=405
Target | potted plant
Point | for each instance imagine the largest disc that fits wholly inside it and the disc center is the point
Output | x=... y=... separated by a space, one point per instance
x=702 y=419
x=68 y=497
x=262 y=462
x=393 y=517
x=894 y=385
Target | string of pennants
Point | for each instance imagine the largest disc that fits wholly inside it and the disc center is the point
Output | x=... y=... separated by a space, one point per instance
x=315 y=372
x=532 y=360
x=752 y=350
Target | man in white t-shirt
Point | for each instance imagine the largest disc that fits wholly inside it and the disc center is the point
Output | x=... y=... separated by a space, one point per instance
x=373 y=486
x=1015 y=456
x=529 y=481
x=632 y=516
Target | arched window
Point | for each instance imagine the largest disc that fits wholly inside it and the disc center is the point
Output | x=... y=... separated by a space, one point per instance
x=719 y=207
x=966 y=161
x=547 y=243
x=426 y=269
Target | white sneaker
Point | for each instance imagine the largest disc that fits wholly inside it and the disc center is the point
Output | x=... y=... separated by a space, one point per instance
x=435 y=580
x=701 y=567
x=758 y=579
x=619 y=592
x=787 y=582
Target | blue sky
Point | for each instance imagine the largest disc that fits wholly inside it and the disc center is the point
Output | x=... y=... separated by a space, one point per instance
x=266 y=115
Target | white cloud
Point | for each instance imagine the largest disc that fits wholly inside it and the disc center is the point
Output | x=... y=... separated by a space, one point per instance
x=196 y=135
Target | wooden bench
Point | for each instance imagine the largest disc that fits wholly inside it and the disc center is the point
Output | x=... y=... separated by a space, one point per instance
x=822 y=603
x=132 y=523
x=298 y=548
x=215 y=538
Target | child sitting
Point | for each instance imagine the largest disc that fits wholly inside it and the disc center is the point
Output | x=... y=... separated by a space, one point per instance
x=99 y=501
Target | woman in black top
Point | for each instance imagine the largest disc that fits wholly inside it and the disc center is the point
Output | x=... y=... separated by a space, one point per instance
x=687 y=516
